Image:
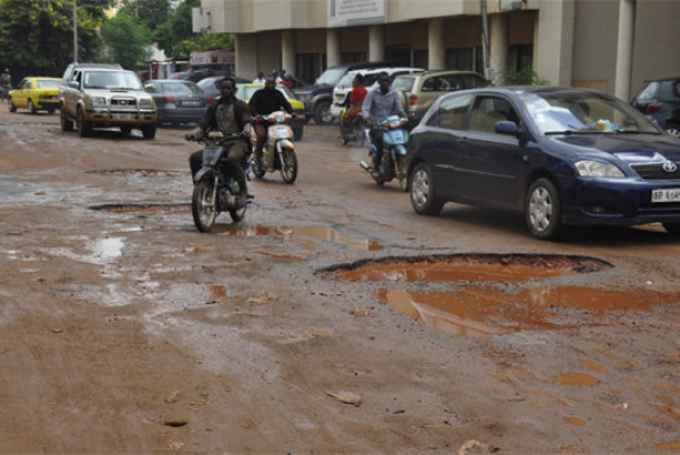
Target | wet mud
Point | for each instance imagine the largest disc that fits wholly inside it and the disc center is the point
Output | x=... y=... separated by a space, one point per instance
x=142 y=208
x=466 y=267
x=139 y=172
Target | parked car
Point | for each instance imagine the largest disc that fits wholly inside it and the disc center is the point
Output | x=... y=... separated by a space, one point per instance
x=36 y=94
x=660 y=99
x=318 y=98
x=209 y=88
x=177 y=101
x=104 y=97
x=246 y=91
x=420 y=90
x=562 y=156
x=344 y=86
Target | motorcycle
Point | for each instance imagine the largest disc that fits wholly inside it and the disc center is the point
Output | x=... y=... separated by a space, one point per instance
x=352 y=132
x=393 y=163
x=278 y=153
x=220 y=185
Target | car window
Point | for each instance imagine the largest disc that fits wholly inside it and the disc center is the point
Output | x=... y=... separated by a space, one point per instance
x=403 y=84
x=50 y=84
x=151 y=88
x=126 y=80
x=667 y=91
x=489 y=110
x=27 y=85
x=649 y=92
x=433 y=84
x=452 y=112
x=472 y=81
x=454 y=82
x=180 y=89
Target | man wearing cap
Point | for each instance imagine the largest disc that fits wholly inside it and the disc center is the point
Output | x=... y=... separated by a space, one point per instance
x=381 y=102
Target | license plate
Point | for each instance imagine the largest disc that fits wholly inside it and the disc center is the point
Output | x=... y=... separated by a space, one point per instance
x=191 y=103
x=666 y=195
x=124 y=116
x=282 y=132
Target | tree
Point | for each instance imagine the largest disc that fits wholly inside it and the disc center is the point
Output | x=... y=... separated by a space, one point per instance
x=205 y=42
x=36 y=35
x=176 y=28
x=151 y=12
x=127 y=39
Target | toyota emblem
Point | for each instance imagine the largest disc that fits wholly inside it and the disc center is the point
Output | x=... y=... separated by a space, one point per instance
x=670 y=167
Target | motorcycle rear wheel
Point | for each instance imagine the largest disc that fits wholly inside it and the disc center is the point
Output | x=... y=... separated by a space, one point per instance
x=203 y=211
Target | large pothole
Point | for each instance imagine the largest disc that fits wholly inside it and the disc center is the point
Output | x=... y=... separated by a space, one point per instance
x=464 y=267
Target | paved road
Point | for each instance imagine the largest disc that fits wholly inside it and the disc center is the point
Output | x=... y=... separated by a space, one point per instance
x=126 y=331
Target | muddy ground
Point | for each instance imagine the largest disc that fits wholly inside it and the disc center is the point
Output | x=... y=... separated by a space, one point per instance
x=126 y=331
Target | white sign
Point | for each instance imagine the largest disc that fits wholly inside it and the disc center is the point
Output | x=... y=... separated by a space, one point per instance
x=343 y=13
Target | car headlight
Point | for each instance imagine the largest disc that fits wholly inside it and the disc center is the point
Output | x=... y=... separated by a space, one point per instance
x=98 y=101
x=588 y=168
x=146 y=104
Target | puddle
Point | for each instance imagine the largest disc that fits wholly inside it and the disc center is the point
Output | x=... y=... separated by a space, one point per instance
x=577 y=379
x=322 y=233
x=110 y=248
x=469 y=267
x=673 y=445
x=576 y=421
x=142 y=208
x=482 y=311
x=219 y=293
x=281 y=256
x=139 y=172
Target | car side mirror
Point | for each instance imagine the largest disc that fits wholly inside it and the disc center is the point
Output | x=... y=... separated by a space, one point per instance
x=74 y=84
x=507 y=127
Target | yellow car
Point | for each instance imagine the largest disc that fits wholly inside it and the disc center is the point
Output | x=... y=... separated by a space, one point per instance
x=36 y=94
x=245 y=92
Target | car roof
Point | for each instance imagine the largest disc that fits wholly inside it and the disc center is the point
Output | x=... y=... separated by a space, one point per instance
x=41 y=78
x=388 y=69
x=105 y=70
x=170 y=81
x=98 y=65
x=661 y=79
x=537 y=89
x=447 y=72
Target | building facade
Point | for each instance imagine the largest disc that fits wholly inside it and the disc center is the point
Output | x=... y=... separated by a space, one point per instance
x=611 y=45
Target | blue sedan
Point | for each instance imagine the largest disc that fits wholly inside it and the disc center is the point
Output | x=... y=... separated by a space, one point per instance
x=562 y=156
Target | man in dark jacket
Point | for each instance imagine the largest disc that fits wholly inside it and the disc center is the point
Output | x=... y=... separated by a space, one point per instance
x=230 y=116
x=264 y=102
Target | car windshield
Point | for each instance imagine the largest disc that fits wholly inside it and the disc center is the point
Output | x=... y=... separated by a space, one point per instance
x=50 y=84
x=403 y=84
x=181 y=89
x=584 y=113
x=346 y=80
x=330 y=76
x=246 y=92
x=124 y=80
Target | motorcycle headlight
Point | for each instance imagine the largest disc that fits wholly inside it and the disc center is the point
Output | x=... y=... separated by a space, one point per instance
x=588 y=168
x=98 y=101
x=146 y=103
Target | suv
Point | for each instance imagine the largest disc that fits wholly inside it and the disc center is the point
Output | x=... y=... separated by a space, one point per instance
x=660 y=100
x=319 y=97
x=344 y=87
x=68 y=73
x=420 y=90
x=106 y=97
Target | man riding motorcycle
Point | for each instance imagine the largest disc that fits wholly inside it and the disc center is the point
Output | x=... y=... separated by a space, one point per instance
x=354 y=103
x=264 y=102
x=379 y=104
x=228 y=115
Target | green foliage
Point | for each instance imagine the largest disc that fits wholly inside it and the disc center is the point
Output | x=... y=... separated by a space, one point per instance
x=525 y=76
x=151 y=12
x=127 y=39
x=205 y=42
x=36 y=35
x=176 y=29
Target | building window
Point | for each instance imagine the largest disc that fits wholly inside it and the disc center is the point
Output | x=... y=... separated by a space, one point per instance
x=520 y=56
x=353 y=57
x=398 y=55
x=309 y=66
x=460 y=59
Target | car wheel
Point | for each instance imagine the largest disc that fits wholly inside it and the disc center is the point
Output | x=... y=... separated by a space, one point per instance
x=542 y=209
x=66 y=123
x=322 y=113
x=672 y=228
x=422 y=191
x=674 y=131
x=84 y=128
x=149 y=132
x=12 y=107
x=31 y=107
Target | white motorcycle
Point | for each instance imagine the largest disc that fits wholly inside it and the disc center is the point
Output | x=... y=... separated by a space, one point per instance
x=278 y=154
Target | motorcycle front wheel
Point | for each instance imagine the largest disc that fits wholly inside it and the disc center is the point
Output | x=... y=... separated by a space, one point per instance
x=237 y=215
x=202 y=208
x=289 y=167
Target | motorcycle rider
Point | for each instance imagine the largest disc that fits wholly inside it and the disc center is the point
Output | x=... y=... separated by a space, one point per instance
x=5 y=83
x=380 y=103
x=354 y=104
x=263 y=102
x=230 y=116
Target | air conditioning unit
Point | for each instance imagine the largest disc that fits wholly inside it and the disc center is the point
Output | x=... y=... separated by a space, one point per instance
x=511 y=5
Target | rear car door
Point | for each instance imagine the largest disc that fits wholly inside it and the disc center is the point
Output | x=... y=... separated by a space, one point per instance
x=494 y=164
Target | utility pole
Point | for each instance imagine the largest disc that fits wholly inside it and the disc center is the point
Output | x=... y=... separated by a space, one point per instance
x=485 y=38
x=75 y=31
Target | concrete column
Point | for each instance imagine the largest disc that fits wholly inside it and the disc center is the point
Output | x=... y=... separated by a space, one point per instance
x=288 y=51
x=332 y=47
x=376 y=44
x=555 y=41
x=624 y=49
x=245 y=47
x=436 y=54
x=498 y=58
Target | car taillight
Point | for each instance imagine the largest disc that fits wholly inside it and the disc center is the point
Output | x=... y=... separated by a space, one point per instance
x=653 y=108
x=169 y=99
x=413 y=100
x=210 y=100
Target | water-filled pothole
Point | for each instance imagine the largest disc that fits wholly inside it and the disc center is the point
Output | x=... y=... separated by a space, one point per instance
x=465 y=267
x=324 y=233
x=142 y=208
x=139 y=172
